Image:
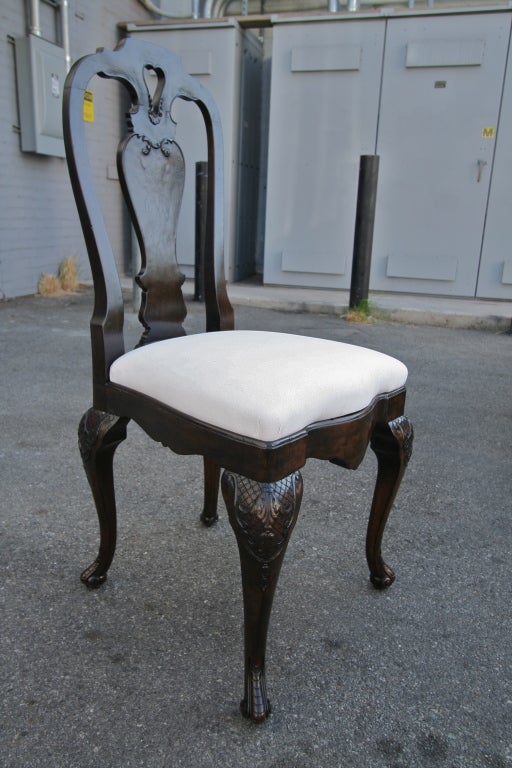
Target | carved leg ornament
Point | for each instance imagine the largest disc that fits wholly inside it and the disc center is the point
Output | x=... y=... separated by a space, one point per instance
x=392 y=444
x=209 y=514
x=262 y=516
x=99 y=434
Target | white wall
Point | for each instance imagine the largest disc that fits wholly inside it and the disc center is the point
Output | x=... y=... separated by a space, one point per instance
x=38 y=221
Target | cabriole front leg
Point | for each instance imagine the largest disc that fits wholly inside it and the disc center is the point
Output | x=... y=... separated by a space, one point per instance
x=262 y=516
x=392 y=444
x=99 y=434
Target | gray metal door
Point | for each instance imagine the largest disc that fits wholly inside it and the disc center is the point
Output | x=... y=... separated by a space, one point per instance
x=323 y=116
x=495 y=276
x=441 y=91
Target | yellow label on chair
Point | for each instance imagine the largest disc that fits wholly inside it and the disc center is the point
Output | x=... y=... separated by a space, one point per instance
x=89 y=107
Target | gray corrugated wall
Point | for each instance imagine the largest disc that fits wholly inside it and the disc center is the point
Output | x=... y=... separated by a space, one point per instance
x=38 y=222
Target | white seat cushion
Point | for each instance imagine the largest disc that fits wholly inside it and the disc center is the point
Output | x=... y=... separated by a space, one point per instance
x=258 y=384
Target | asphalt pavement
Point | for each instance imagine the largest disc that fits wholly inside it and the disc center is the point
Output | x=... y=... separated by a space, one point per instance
x=147 y=670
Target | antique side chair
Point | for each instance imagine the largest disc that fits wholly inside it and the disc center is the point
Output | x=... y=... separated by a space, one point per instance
x=256 y=404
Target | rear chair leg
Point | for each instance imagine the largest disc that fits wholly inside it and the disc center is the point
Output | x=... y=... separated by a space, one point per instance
x=262 y=516
x=209 y=514
x=392 y=444
x=99 y=434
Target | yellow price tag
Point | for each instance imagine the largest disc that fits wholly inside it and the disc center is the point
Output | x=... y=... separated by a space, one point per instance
x=89 y=107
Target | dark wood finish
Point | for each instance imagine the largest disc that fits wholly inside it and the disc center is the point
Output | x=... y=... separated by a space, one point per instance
x=144 y=167
x=209 y=514
x=99 y=434
x=392 y=444
x=152 y=191
x=261 y=483
x=343 y=441
x=262 y=516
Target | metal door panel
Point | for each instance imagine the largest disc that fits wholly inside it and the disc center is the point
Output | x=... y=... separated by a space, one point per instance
x=441 y=90
x=323 y=116
x=495 y=278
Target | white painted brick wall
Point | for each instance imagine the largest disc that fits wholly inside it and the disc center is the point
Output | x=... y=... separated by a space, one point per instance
x=39 y=225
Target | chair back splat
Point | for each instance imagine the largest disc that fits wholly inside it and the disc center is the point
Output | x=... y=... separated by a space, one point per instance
x=152 y=172
x=255 y=405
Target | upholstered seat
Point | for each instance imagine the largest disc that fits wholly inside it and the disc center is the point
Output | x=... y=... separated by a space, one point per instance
x=261 y=385
x=254 y=405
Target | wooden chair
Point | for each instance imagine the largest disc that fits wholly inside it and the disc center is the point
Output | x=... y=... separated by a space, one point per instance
x=256 y=404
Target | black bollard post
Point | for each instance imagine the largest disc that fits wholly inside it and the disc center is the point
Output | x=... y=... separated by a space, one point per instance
x=201 y=192
x=363 y=236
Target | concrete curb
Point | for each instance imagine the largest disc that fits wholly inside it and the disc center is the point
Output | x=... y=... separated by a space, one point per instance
x=396 y=308
x=441 y=319
x=436 y=318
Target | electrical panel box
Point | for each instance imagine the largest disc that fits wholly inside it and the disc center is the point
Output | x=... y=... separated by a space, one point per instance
x=40 y=74
x=442 y=92
x=495 y=274
x=427 y=92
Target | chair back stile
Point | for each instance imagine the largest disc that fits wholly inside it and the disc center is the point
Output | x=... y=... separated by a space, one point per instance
x=151 y=173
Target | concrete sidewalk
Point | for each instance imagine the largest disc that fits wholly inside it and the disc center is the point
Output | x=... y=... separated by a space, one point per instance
x=146 y=672
x=397 y=307
x=440 y=311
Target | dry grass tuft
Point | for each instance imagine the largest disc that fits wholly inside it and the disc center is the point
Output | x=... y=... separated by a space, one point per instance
x=49 y=285
x=68 y=275
x=361 y=313
x=66 y=282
